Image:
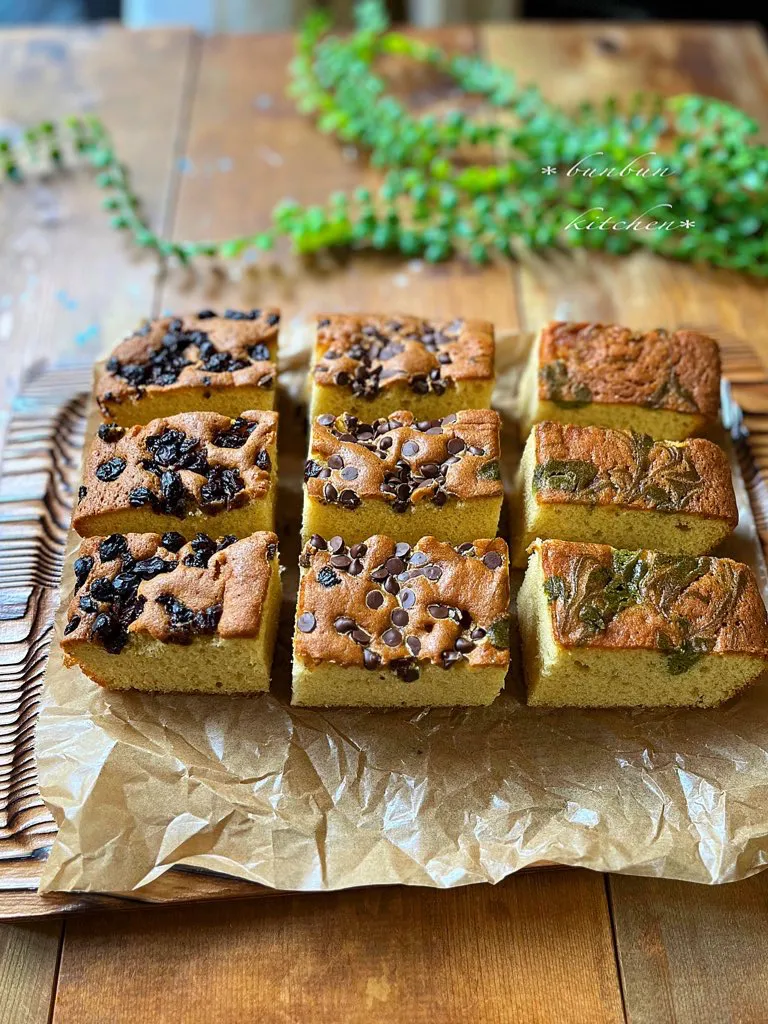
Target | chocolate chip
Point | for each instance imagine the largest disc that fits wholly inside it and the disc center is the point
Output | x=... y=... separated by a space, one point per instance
x=356 y=567
x=380 y=574
x=374 y=599
x=407 y=598
x=419 y=558
x=465 y=549
x=335 y=462
x=391 y=586
x=349 y=473
x=413 y=644
x=410 y=448
x=360 y=637
x=406 y=669
x=82 y=567
x=438 y=611
x=330 y=493
x=478 y=633
x=474 y=450
x=400 y=617
x=392 y=637
x=433 y=572
x=343 y=624
x=449 y=658
x=306 y=622
x=72 y=625
x=402 y=550
x=327 y=577
x=110 y=470
x=430 y=470
x=342 y=378
x=455 y=446
x=463 y=645
x=326 y=420
x=335 y=545
x=371 y=659
x=341 y=561
x=358 y=550
x=349 y=499
x=318 y=542
x=492 y=560
x=394 y=565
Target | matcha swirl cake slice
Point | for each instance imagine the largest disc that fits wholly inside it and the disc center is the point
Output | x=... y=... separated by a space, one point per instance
x=622 y=488
x=371 y=365
x=152 y=612
x=406 y=477
x=191 y=472
x=602 y=627
x=386 y=624
x=662 y=383
x=202 y=361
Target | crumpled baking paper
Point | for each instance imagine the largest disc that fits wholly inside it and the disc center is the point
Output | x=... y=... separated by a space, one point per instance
x=312 y=800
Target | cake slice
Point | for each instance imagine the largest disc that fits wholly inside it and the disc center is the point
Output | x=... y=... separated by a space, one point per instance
x=387 y=624
x=157 y=613
x=202 y=361
x=607 y=628
x=192 y=472
x=622 y=488
x=662 y=383
x=409 y=478
x=371 y=365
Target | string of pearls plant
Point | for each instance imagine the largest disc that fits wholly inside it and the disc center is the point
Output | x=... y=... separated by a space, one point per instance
x=683 y=177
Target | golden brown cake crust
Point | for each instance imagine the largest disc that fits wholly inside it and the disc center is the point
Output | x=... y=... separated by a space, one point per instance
x=683 y=606
x=385 y=604
x=197 y=350
x=600 y=466
x=366 y=354
x=401 y=460
x=167 y=589
x=678 y=371
x=179 y=463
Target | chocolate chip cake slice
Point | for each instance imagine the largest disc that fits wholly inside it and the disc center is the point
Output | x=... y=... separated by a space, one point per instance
x=371 y=365
x=203 y=361
x=622 y=488
x=195 y=471
x=662 y=383
x=411 y=478
x=603 y=627
x=386 y=624
x=152 y=612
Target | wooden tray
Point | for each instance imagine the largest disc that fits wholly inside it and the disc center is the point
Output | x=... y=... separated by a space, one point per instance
x=40 y=469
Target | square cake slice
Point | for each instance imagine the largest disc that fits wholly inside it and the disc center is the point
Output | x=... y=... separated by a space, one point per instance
x=603 y=627
x=192 y=472
x=409 y=478
x=369 y=366
x=386 y=624
x=202 y=361
x=156 y=613
x=662 y=383
x=617 y=487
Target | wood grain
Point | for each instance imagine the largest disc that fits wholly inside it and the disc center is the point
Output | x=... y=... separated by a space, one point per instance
x=536 y=948
x=691 y=954
x=29 y=955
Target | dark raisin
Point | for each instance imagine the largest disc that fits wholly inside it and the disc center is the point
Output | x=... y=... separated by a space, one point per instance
x=173 y=541
x=110 y=432
x=112 y=547
x=263 y=461
x=273 y=318
x=327 y=577
x=82 y=567
x=81 y=493
x=110 y=470
x=87 y=604
x=222 y=486
x=259 y=353
x=101 y=589
x=141 y=496
x=206 y=314
x=311 y=469
x=72 y=625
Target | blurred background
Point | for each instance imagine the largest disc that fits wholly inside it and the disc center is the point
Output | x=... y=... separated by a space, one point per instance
x=279 y=15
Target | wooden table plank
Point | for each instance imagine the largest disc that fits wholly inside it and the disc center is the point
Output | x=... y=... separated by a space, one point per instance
x=29 y=956
x=536 y=948
x=693 y=954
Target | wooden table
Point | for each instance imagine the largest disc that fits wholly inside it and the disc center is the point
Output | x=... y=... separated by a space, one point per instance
x=213 y=143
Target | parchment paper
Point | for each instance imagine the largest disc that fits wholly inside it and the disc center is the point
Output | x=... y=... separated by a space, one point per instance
x=311 y=800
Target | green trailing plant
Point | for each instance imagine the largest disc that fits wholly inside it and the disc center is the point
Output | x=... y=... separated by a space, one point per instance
x=683 y=177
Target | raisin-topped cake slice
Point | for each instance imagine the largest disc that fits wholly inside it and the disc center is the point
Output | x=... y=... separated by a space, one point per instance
x=370 y=366
x=202 y=361
x=386 y=624
x=152 y=612
x=603 y=627
x=662 y=383
x=196 y=471
x=622 y=488
x=411 y=478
